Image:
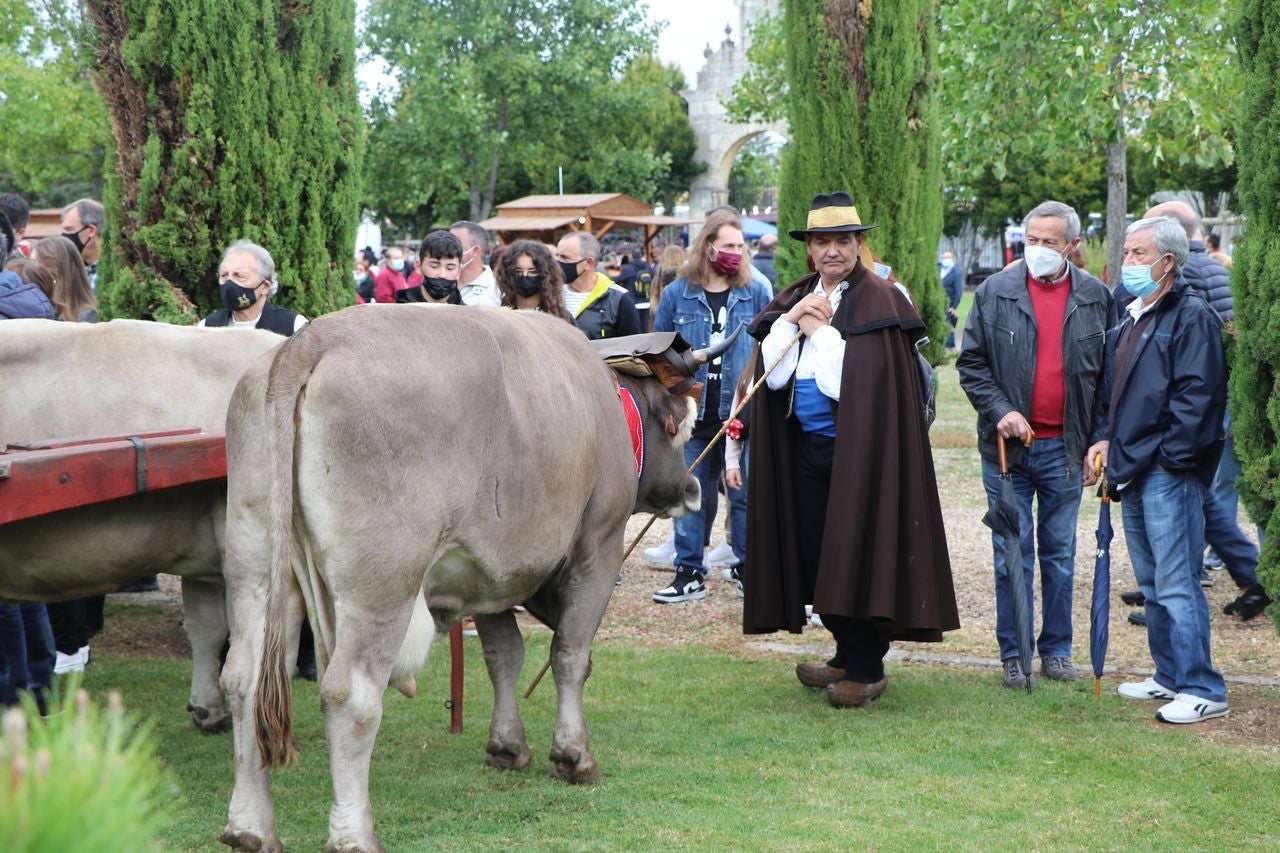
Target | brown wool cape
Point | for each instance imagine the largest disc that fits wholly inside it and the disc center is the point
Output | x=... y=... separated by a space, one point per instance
x=884 y=550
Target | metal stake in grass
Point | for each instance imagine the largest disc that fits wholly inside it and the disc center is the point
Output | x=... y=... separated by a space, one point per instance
x=746 y=398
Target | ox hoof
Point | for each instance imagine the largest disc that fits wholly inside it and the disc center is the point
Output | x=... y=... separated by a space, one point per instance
x=508 y=758
x=212 y=722
x=249 y=842
x=353 y=847
x=574 y=768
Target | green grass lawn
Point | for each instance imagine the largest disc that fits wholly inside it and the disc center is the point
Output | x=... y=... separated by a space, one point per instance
x=704 y=751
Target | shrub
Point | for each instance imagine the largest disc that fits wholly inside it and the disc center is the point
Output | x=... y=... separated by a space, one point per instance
x=80 y=780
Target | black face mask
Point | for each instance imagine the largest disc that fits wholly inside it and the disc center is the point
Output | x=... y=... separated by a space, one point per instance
x=235 y=297
x=528 y=285
x=74 y=237
x=568 y=270
x=439 y=288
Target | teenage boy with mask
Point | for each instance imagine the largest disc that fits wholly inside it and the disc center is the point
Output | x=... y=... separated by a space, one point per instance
x=246 y=278
x=440 y=257
x=1032 y=365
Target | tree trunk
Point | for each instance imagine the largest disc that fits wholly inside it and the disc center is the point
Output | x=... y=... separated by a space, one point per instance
x=1117 y=197
x=1117 y=181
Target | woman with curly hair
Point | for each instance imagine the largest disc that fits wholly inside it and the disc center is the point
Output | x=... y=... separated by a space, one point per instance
x=72 y=298
x=529 y=278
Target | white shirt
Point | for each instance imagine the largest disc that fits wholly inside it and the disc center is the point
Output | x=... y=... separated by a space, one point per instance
x=483 y=290
x=821 y=358
x=573 y=300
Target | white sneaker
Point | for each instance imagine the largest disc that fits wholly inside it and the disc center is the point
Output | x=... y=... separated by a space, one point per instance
x=1148 y=689
x=664 y=553
x=1186 y=708
x=721 y=555
x=71 y=663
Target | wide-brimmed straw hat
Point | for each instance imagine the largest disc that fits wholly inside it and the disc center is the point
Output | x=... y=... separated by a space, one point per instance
x=829 y=213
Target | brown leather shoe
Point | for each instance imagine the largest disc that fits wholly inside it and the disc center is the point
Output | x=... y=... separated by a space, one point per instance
x=855 y=694
x=818 y=674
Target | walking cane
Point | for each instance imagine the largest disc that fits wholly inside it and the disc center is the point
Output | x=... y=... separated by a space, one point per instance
x=746 y=398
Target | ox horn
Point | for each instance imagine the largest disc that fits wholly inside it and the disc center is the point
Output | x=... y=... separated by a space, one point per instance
x=702 y=356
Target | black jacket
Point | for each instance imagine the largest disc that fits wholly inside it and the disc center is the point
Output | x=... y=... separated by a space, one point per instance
x=997 y=364
x=1170 y=409
x=612 y=315
x=273 y=319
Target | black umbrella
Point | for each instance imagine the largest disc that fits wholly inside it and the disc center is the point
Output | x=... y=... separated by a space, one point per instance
x=1100 y=608
x=1002 y=518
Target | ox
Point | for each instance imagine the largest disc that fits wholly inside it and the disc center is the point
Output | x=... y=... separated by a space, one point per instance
x=410 y=465
x=70 y=379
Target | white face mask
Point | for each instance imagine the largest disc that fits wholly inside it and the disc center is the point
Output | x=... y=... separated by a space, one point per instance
x=1042 y=262
x=947 y=264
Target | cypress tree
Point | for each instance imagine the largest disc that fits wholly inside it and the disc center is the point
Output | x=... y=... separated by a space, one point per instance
x=1255 y=282
x=232 y=119
x=861 y=106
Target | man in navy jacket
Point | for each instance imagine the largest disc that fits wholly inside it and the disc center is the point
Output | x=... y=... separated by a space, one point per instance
x=1164 y=401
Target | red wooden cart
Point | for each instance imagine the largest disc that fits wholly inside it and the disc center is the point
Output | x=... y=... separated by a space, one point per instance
x=42 y=477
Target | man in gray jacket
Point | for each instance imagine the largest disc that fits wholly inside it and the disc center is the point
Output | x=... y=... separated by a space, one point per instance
x=1032 y=363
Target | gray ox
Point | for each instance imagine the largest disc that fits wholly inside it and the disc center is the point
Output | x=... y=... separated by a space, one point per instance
x=400 y=460
x=75 y=379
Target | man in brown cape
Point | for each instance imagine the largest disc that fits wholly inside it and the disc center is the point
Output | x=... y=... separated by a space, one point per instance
x=842 y=507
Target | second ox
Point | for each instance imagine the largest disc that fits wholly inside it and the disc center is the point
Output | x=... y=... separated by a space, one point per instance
x=411 y=465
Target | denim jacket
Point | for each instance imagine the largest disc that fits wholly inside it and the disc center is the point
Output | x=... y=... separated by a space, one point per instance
x=684 y=308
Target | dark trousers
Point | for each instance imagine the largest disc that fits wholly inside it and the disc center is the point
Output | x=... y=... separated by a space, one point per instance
x=75 y=622
x=860 y=649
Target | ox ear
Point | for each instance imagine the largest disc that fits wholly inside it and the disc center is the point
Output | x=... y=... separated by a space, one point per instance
x=664 y=355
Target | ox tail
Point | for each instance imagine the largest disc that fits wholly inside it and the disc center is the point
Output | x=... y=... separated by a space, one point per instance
x=273 y=700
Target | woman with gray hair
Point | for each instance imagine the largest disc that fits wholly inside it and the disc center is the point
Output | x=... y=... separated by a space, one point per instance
x=246 y=278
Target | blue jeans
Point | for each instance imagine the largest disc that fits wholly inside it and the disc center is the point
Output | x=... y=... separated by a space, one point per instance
x=1221 y=526
x=691 y=529
x=27 y=654
x=738 y=514
x=1164 y=529
x=1041 y=472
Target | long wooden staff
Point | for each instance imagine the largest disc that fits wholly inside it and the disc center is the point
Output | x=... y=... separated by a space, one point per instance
x=746 y=398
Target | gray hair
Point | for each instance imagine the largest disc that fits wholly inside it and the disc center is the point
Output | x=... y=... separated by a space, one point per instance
x=476 y=235
x=91 y=212
x=1058 y=210
x=587 y=243
x=1170 y=237
x=261 y=260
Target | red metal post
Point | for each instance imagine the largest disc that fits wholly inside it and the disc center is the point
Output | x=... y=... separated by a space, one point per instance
x=455 y=679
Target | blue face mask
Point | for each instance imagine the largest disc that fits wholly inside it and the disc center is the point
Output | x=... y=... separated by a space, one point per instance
x=1138 y=280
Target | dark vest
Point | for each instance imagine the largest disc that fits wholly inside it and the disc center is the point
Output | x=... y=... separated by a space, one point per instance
x=600 y=318
x=273 y=319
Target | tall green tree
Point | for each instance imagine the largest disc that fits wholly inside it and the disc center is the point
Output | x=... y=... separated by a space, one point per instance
x=755 y=171
x=658 y=121
x=232 y=119
x=52 y=120
x=1255 y=283
x=1148 y=75
x=495 y=91
x=860 y=104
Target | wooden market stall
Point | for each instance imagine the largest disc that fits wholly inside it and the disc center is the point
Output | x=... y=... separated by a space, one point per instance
x=546 y=217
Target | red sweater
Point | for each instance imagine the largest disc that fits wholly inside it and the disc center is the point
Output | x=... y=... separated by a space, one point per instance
x=1048 y=392
x=386 y=284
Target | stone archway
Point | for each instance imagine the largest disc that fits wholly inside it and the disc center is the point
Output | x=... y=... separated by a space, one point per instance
x=719 y=139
